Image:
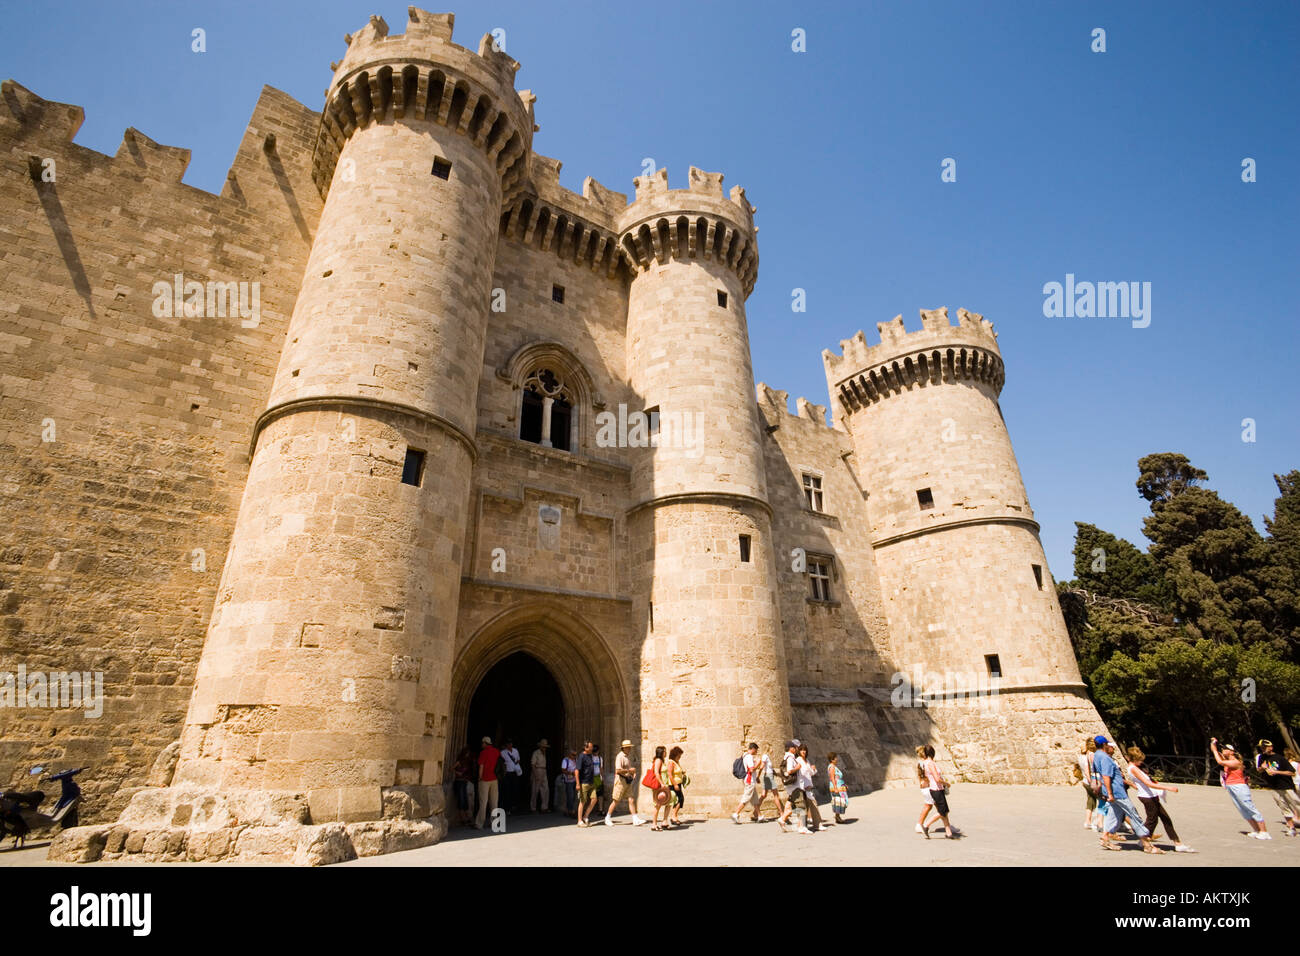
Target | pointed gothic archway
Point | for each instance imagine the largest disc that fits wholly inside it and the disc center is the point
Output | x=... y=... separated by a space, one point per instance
x=508 y=650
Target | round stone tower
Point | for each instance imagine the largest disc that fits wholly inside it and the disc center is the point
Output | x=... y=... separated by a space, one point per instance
x=712 y=664
x=973 y=615
x=327 y=663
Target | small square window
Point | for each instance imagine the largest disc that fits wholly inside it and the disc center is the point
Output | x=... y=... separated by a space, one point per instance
x=812 y=491
x=413 y=469
x=441 y=168
x=925 y=499
x=557 y=293
x=1038 y=575
x=722 y=299
x=993 y=664
x=744 y=548
x=652 y=417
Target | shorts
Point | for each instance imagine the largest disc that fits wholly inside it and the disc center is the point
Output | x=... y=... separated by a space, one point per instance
x=795 y=798
x=940 y=801
x=753 y=794
x=769 y=783
x=925 y=796
x=1240 y=793
x=589 y=790
x=1286 y=802
x=622 y=789
x=1092 y=797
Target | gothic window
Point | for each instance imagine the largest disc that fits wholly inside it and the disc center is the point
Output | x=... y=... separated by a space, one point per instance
x=546 y=416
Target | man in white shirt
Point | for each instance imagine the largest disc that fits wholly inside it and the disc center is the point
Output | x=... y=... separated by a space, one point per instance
x=510 y=779
x=624 y=785
x=753 y=787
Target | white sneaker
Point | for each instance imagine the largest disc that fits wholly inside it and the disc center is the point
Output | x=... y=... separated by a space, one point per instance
x=636 y=821
x=1183 y=848
x=803 y=830
x=735 y=818
x=608 y=822
x=1263 y=836
x=919 y=828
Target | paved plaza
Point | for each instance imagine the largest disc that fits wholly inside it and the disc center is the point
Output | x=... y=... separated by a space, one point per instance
x=1002 y=826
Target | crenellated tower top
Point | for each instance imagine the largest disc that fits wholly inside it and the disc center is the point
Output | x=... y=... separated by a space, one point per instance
x=939 y=352
x=422 y=74
x=697 y=222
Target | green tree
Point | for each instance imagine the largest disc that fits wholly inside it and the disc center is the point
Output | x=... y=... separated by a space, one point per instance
x=1106 y=564
x=1165 y=475
x=1198 y=637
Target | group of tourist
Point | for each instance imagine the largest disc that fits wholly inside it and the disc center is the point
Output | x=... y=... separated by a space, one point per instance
x=1111 y=783
x=491 y=780
x=1110 y=810
x=797 y=794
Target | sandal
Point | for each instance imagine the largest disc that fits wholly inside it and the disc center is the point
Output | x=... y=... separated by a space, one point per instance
x=1111 y=846
x=1152 y=849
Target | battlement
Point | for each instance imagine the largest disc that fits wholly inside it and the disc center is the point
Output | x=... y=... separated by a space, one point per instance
x=938 y=352
x=34 y=114
x=696 y=222
x=703 y=193
x=421 y=74
x=552 y=218
x=774 y=402
x=33 y=119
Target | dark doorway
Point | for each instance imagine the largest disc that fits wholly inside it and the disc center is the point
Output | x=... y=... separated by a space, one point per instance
x=519 y=699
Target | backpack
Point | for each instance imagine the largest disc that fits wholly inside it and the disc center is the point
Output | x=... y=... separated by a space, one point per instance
x=738 y=768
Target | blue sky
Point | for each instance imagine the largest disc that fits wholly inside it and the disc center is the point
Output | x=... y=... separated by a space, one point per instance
x=1115 y=166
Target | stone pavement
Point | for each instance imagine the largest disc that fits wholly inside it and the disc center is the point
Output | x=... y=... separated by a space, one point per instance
x=1004 y=825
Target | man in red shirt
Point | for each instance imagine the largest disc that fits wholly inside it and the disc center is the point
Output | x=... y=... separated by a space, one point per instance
x=487 y=780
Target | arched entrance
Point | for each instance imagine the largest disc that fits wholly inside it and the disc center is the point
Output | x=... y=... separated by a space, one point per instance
x=518 y=700
x=502 y=679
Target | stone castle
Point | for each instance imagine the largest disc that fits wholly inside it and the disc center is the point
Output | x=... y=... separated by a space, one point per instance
x=396 y=443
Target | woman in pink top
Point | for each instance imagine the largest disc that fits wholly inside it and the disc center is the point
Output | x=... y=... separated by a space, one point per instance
x=1233 y=778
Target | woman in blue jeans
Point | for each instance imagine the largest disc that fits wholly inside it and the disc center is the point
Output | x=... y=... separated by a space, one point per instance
x=1233 y=778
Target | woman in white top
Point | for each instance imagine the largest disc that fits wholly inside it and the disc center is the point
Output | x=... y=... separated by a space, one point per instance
x=1148 y=792
x=806 y=772
x=769 y=784
x=927 y=800
x=938 y=786
x=1092 y=818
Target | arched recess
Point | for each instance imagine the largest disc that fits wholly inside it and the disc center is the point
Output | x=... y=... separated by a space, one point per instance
x=595 y=697
x=567 y=369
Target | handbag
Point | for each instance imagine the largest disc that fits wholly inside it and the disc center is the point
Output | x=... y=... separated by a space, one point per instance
x=650 y=780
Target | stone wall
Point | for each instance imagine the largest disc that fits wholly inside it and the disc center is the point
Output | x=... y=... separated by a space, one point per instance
x=114 y=533
x=837 y=652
